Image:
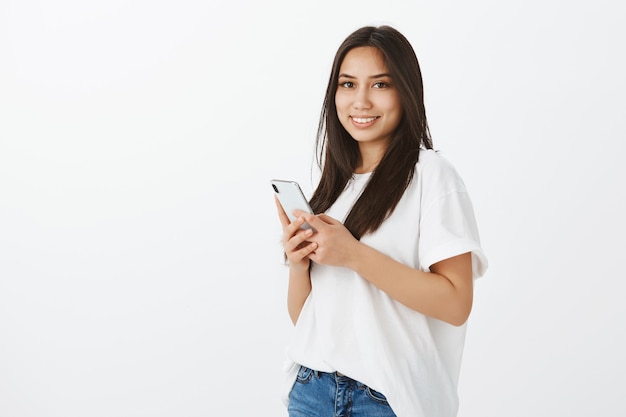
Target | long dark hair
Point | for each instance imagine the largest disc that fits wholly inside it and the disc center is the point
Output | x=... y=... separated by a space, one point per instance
x=338 y=153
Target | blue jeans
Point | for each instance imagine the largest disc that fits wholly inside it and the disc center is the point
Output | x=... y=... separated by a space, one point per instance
x=321 y=394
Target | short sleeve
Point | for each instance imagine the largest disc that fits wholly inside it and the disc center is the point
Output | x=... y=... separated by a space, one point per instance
x=447 y=229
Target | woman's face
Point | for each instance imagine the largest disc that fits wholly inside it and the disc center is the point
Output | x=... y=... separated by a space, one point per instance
x=368 y=104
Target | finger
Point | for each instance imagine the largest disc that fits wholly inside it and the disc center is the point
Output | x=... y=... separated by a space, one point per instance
x=299 y=213
x=313 y=255
x=314 y=221
x=292 y=228
x=296 y=247
x=282 y=216
x=328 y=219
x=296 y=239
x=306 y=251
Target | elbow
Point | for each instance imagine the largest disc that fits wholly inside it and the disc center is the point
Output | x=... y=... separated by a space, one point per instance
x=454 y=315
x=461 y=306
x=459 y=320
x=458 y=316
x=293 y=314
x=456 y=293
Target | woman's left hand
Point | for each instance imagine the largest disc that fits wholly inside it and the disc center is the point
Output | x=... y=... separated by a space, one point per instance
x=335 y=243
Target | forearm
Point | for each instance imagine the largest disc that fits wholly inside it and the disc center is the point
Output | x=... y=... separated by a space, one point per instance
x=297 y=292
x=447 y=298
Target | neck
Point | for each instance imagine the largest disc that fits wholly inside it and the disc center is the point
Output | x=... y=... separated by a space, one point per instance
x=370 y=158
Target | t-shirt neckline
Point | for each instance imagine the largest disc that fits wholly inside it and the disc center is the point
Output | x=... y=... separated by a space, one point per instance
x=361 y=177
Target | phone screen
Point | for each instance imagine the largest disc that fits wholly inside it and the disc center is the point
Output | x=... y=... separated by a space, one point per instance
x=291 y=198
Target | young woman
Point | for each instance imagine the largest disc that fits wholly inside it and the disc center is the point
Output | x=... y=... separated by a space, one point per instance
x=379 y=293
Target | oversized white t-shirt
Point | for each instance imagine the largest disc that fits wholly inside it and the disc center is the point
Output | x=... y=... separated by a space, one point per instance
x=349 y=325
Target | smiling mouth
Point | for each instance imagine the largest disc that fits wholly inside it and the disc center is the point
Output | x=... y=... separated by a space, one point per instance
x=364 y=119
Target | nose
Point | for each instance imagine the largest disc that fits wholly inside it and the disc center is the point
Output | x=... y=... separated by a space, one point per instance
x=362 y=99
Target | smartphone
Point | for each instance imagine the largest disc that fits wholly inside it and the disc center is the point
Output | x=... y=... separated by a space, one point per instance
x=291 y=198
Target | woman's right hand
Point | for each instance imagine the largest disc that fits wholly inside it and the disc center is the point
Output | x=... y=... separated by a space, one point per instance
x=297 y=248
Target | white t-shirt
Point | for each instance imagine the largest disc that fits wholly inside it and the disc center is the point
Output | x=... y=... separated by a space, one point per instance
x=349 y=325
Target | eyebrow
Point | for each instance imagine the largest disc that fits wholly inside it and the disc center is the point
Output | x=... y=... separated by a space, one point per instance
x=373 y=76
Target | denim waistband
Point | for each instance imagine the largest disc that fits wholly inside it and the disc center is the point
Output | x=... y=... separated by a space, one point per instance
x=336 y=373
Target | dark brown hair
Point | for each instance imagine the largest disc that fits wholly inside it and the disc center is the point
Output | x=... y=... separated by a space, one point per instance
x=338 y=153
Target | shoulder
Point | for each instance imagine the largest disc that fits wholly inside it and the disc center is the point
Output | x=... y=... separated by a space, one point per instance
x=435 y=170
x=431 y=160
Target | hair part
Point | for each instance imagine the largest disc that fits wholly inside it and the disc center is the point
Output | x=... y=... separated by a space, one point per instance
x=338 y=153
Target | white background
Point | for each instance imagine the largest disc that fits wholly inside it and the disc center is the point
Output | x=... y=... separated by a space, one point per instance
x=140 y=264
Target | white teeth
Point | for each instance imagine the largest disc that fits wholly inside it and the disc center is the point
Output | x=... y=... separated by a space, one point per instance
x=363 y=120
